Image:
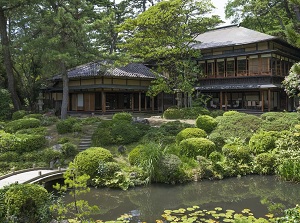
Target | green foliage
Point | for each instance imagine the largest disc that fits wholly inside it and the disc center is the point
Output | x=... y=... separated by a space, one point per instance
x=264 y=163
x=69 y=125
x=48 y=120
x=262 y=142
x=37 y=116
x=5 y=104
x=169 y=170
x=135 y=155
x=173 y=128
x=87 y=161
x=207 y=123
x=33 y=131
x=69 y=150
x=63 y=140
x=240 y=125
x=26 y=203
x=185 y=113
x=290 y=215
x=107 y=169
x=194 y=147
x=279 y=121
x=76 y=184
x=9 y=156
x=18 y=114
x=291 y=82
x=50 y=154
x=173 y=113
x=237 y=153
x=289 y=169
x=91 y=120
x=18 y=124
x=216 y=113
x=190 y=133
x=122 y=116
x=216 y=156
x=34 y=156
x=230 y=113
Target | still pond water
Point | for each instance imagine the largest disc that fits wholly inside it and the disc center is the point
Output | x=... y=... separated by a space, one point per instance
x=148 y=203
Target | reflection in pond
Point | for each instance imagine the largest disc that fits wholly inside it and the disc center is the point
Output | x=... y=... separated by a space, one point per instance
x=257 y=193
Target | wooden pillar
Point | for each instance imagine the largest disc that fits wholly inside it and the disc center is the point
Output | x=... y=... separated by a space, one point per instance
x=103 y=96
x=221 y=100
x=132 y=101
x=269 y=100
x=152 y=103
x=262 y=101
x=145 y=102
x=225 y=101
x=140 y=101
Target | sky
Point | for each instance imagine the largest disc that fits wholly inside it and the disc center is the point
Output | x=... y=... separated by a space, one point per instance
x=220 y=10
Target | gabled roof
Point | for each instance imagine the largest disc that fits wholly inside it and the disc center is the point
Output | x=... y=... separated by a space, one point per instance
x=99 y=69
x=230 y=35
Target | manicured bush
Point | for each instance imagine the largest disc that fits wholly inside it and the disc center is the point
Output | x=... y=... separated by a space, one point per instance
x=193 y=112
x=135 y=156
x=194 y=147
x=102 y=137
x=173 y=113
x=237 y=153
x=33 y=131
x=230 y=113
x=18 y=114
x=262 y=142
x=37 y=116
x=173 y=128
x=264 y=163
x=16 y=125
x=87 y=161
x=26 y=203
x=124 y=132
x=107 y=169
x=50 y=154
x=207 y=123
x=190 y=133
x=241 y=126
x=216 y=113
x=69 y=150
x=216 y=156
x=48 y=120
x=122 y=116
x=66 y=126
x=218 y=140
x=5 y=104
x=170 y=170
x=279 y=121
x=34 y=156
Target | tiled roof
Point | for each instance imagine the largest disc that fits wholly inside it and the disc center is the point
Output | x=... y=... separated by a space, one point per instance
x=230 y=35
x=92 y=69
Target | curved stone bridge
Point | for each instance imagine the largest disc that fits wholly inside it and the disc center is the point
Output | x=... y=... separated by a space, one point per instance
x=31 y=176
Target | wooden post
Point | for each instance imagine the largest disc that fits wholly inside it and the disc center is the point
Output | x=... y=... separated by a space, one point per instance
x=262 y=101
x=152 y=103
x=225 y=101
x=103 y=95
x=145 y=102
x=140 y=101
x=221 y=100
x=269 y=100
x=132 y=101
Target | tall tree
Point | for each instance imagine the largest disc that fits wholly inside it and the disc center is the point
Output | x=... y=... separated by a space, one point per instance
x=164 y=35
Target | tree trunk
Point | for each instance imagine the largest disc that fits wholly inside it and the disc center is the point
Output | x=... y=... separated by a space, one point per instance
x=65 y=98
x=8 y=61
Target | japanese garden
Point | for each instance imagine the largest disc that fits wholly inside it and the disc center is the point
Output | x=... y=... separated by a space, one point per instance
x=150 y=111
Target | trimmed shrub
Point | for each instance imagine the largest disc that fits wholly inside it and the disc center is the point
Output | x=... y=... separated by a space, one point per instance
x=50 y=154
x=216 y=113
x=48 y=120
x=102 y=137
x=16 y=125
x=173 y=128
x=237 y=153
x=5 y=104
x=170 y=170
x=218 y=140
x=66 y=126
x=124 y=132
x=107 y=169
x=34 y=156
x=122 y=116
x=135 y=156
x=207 y=123
x=262 y=142
x=279 y=121
x=88 y=160
x=27 y=203
x=63 y=140
x=194 y=147
x=18 y=114
x=37 y=116
x=230 y=113
x=173 y=113
x=69 y=150
x=33 y=131
x=91 y=120
x=264 y=163
x=194 y=112
x=215 y=156
x=190 y=133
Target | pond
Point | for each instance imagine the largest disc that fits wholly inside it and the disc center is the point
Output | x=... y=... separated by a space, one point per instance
x=258 y=193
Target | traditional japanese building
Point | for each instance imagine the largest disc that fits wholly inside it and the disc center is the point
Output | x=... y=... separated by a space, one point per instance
x=94 y=88
x=244 y=69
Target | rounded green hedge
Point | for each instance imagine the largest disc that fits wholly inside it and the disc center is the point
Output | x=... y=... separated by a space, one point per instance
x=237 y=153
x=262 y=142
x=69 y=125
x=87 y=161
x=173 y=113
x=25 y=123
x=190 y=133
x=230 y=113
x=264 y=163
x=194 y=147
x=122 y=116
x=135 y=155
x=207 y=123
x=18 y=114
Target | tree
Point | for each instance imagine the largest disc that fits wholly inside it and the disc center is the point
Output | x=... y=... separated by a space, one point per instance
x=291 y=82
x=163 y=37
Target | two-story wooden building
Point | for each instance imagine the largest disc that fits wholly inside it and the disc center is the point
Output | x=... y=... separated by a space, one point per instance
x=244 y=69
x=94 y=88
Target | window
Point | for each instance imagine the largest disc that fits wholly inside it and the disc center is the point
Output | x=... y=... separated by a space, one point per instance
x=253 y=66
x=220 y=68
x=265 y=66
x=242 y=67
x=80 y=100
x=210 y=69
x=230 y=67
